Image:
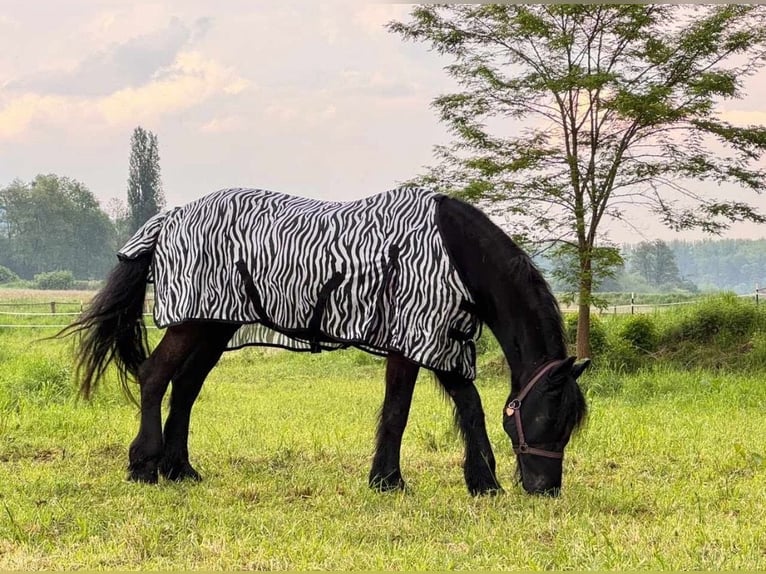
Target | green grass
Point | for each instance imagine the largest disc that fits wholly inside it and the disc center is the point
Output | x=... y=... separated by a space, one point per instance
x=285 y=452
x=668 y=473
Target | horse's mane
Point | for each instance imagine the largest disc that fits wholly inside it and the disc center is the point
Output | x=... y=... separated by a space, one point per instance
x=508 y=267
x=543 y=305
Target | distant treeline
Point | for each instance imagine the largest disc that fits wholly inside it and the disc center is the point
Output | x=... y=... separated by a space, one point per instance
x=55 y=223
x=722 y=264
x=680 y=267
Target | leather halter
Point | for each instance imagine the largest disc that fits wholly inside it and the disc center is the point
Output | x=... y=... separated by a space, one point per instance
x=514 y=410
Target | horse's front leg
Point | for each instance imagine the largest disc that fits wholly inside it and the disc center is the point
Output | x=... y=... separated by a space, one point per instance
x=479 y=466
x=187 y=384
x=153 y=378
x=400 y=382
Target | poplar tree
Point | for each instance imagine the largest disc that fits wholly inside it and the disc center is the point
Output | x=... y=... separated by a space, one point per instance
x=145 y=196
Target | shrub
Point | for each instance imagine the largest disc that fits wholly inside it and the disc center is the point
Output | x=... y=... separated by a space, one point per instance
x=54 y=280
x=640 y=332
x=720 y=318
x=622 y=357
x=7 y=276
x=756 y=358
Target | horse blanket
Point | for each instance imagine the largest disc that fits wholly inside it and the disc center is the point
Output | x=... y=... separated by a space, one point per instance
x=305 y=274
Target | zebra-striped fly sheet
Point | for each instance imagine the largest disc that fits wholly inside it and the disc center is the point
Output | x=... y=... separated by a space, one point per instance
x=305 y=274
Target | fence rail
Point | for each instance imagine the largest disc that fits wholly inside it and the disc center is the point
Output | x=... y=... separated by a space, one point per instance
x=56 y=306
x=635 y=308
x=17 y=313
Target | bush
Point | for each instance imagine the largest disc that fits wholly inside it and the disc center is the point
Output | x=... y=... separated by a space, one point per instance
x=640 y=333
x=7 y=276
x=718 y=319
x=622 y=357
x=756 y=358
x=54 y=280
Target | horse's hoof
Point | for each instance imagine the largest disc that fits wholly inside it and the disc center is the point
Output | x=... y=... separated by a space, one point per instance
x=147 y=476
x=387 y=484
x=492 y=491
x=179 y=471
x=485 y=489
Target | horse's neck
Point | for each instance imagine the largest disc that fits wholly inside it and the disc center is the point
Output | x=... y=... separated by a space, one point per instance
x=512 y=296
x=527 y=331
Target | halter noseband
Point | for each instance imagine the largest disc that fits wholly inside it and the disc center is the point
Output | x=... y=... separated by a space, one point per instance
x=514 y=407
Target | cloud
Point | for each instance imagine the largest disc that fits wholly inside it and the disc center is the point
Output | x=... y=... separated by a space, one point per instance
x=130 y=63
x=301 y=112
x=6 y=21
x=378 y=83
x=372 y=18
x=743 y=118
x=17 y=115
x=188 y=81
x=224 y=125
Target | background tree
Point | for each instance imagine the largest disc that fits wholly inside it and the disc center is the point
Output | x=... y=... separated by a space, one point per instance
x=145 y=197
x=119 y=214
x=606 y=264
x=656 y=263
x=571 y=114
x=54 y=223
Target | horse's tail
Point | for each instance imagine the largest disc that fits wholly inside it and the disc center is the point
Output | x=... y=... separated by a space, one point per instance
x=112 y=328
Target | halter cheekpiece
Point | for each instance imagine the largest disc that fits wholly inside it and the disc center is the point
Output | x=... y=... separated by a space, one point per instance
x=514 y=407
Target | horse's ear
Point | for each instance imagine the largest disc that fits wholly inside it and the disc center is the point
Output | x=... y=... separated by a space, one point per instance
x=564 y=368
x=579 y=367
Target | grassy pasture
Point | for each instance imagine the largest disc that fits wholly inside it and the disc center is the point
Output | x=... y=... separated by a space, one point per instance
x=668 y=473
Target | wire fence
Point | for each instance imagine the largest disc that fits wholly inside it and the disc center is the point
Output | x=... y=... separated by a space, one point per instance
x=59 y=314
x=634 y=308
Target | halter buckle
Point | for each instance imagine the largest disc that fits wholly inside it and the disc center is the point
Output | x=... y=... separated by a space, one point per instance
x=512 y=407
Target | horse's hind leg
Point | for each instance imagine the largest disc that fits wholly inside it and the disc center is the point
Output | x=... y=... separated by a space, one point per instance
x=153 y=378
x=400 y=383
x=479 y=466
x=186 y=386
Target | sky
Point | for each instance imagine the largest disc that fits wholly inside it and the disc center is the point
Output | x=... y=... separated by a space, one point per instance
x=312 y=99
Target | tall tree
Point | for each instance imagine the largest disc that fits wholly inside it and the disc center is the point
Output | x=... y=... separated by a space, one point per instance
x=145 y=197
x=569 y=114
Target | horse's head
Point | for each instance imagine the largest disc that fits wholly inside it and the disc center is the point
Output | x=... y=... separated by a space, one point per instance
x=540 y=420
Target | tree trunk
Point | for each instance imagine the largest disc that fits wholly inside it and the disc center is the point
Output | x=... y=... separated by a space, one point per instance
x=583 y=309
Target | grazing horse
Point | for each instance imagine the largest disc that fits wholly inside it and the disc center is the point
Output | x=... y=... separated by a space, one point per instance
x=409 y=274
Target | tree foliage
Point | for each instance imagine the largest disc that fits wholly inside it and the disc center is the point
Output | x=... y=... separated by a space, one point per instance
x=607 y=262
x=145 y=196
x=54 y=223
x=570 y=114
x=655 y=262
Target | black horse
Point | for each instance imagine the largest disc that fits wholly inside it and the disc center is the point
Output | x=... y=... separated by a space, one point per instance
x=511 y=297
